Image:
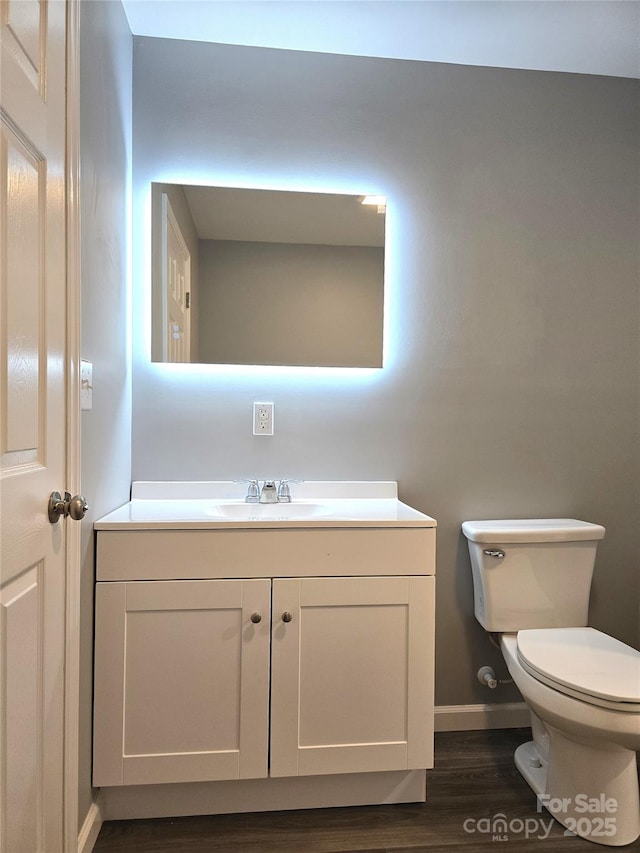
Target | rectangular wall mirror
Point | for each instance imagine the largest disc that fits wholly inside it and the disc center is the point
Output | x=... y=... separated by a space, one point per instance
x=244 y=276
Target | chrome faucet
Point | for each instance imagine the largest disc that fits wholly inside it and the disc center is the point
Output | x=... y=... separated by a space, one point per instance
x=268 y=494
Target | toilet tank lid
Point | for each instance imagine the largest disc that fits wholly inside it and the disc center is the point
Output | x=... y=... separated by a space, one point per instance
x=507 y=530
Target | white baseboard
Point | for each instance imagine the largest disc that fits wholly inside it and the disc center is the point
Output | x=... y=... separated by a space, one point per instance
x=88 y=835
x=462 y=718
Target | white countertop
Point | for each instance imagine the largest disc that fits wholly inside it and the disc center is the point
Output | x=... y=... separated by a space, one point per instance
x=221 y=505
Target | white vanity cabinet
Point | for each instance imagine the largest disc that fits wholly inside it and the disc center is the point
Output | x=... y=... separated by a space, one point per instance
x=209 y=668
x=182 y=678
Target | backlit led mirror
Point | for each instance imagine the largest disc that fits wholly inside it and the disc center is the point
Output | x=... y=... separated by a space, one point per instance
x=244 y=276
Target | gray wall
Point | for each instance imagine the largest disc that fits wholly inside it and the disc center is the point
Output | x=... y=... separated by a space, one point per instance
x=105 y=136
x=290 y=303
x=511 y=381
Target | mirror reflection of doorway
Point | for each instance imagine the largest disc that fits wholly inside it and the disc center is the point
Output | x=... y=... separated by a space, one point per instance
x=176 y=284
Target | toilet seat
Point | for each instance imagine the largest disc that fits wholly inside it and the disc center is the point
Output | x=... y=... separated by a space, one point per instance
x=583 y=663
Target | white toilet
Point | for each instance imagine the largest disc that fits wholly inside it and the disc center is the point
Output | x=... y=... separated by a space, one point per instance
x=531 y=582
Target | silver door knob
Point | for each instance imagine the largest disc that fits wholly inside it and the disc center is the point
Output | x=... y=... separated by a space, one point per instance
x=255 y=618
x=59 y=506
x=78 y=507
x=286 y=616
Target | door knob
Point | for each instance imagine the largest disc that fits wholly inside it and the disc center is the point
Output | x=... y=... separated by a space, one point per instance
x=75 y=506
x=256 y=618
x=286 y=616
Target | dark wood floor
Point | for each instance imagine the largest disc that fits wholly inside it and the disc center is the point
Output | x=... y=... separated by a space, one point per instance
x=474 y=778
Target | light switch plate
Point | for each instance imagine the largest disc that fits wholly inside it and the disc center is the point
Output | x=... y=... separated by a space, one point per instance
x=86 y=385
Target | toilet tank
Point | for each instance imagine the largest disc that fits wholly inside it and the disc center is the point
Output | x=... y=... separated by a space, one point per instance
x=532 y=573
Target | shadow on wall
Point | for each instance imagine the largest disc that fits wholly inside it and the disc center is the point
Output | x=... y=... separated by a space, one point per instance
x=480 y=650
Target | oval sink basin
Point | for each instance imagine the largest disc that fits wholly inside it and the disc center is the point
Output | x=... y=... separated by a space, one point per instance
x=277 y=512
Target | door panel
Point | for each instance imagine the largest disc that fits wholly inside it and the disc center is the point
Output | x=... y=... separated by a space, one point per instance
x=352 y=675
x=21 y=606
x=23 y=194
x=182 y=681
x=32 y=423
x=334 y=641
x=25 y=37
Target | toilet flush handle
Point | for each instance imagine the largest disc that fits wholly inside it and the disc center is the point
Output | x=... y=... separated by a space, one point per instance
x=494 y=552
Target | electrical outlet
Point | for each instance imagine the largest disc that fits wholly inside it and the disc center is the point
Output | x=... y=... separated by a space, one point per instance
x=263 y=418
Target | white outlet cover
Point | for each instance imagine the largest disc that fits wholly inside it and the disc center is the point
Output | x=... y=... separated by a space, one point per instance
x=263 y=418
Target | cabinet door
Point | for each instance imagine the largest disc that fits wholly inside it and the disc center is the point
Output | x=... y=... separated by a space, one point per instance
x=352 y=675
x=181 y=681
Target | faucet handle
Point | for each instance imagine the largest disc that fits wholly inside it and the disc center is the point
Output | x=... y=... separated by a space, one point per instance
x=253 y=491
x=284 y=492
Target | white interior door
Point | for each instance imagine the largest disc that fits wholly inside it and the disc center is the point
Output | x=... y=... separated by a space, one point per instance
x=33 y=424
x=176 y=288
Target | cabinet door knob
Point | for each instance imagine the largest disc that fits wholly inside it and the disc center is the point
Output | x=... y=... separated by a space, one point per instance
x=255 y=618
x=286 y=616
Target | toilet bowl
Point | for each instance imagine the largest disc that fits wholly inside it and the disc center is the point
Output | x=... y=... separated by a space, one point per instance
x=582 y=760
x=531 y=586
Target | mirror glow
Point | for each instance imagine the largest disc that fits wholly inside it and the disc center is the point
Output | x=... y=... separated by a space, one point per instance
x=267 y=278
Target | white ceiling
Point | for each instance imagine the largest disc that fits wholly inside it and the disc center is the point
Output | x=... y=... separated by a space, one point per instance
x=273 y=216
x=582 y=36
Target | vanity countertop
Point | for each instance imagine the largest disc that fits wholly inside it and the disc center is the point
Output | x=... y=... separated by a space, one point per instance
x=221 y=504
